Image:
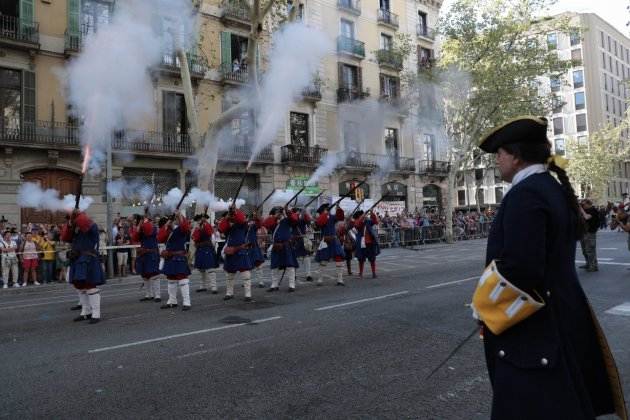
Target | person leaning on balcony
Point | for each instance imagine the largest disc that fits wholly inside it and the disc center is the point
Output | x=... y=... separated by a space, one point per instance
x=554 y=363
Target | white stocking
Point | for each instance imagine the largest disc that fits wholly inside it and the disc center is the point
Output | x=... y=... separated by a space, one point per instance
x=213 y=280
x=184 y=288
x=229 y=283
x=247 y=282
x=291 y=275
x=172 y=292
x=307 y=265
x=85 y=303
x=155 y=286
x=94 y=297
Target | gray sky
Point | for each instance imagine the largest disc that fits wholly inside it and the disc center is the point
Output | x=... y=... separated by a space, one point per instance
x=613 y=11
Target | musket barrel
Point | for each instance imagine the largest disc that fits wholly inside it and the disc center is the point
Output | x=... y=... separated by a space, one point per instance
x=295 y=196
x=348 y=193
x=79 y=191
x=265 y=200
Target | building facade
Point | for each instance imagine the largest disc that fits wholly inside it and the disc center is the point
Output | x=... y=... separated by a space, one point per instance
x=39 y=137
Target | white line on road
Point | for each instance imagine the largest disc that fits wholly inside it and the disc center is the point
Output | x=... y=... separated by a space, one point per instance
x=433 y=286
x=186 y=334
x=354 y=302
x=608 y=249
x=231 y=346
x=603 y=263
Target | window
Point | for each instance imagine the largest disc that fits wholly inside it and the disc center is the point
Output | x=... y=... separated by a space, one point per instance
x=299 y=129
x=95 y=13
x=234 y=53
x=617 y=67
x=480 y=196
x=555 y=84
x=10 y=100
x=461 y=198
x=615 y=48
x=389 y=86
x=552 y=41
x=351 y=137
x=574 y=37
x=429 y=147
x=606 y=99
x=347 y=28
x=602 y=37
x=604 y=60
x=498 y=194
x=559 y=143
x=478 y=174
x=610 y=63
x=386 y=42
x=391 y=142
x=424 y=55
x=608 y=44
x=174 y=118
x=350 y=78
x=557 y=104
x=579 y=101
x=580 y=122
x=558 y=126
x=384 y=4
x=422 y=22
x=578 y=79
x=576 y=55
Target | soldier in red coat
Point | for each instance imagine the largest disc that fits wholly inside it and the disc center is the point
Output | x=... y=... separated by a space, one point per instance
x=174 y=233
x=330 y=247
x=147 y=257
x=206 y=260
x=237 y=259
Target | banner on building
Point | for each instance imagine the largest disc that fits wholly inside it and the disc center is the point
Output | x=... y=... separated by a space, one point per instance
x=393 y=208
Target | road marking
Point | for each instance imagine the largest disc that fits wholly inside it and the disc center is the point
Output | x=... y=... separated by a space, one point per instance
x=623 y=309
x=354 y=302
x=608 y=249
x=186 y=334
x=231 y=346
x=433 y=286
x=603 y=263
x=604 y=259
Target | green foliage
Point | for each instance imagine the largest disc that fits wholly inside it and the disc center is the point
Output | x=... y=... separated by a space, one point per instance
x=592 y=164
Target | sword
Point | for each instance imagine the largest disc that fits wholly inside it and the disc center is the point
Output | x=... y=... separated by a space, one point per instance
x=454 y=351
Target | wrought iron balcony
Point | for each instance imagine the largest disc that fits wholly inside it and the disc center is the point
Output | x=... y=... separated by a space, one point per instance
x=233 y=74
x=423 y=31
x=403 y=164
x=350 y=46
x=19 y=31
x=388 y=18
x=350 y=6
x=242 y=153
x=73 y=42
x=236 y=10
x=389 y=58
x=393 y=100
x=313 y=92
x=302 y=154
x=433 y=167
x=361 y=160
x=196 y=64
x=351 y=94
x=152 y=142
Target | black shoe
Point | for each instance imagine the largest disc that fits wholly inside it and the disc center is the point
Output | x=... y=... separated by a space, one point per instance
x=76 y=308
x=592 y=270
x=203 y=289
x=248 y=299
x=157 y=300
x=309 y=278
x=373 y=275
x=272 y=289
x=95 y=320
x=169 y=306
x=145 y=299
x=186 y=308
x=228 y=297
x=82 y=318
x=339 y=283
x=214 y=292
x=583 y=266
x=291 y=289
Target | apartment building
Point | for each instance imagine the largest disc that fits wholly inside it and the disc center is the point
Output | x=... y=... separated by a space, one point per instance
x=39 y=137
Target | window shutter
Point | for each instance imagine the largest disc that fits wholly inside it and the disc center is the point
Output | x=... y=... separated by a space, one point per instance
x=397 y=85
x=28 y=101
x=226 y=48
x=74 y=15
x=382 y=82
x=27 y=13
x=359 y=80
x=340 y=75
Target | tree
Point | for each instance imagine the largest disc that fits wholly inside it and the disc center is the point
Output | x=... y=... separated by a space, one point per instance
x=262 y=14
x=492 y=61
x=592 y=164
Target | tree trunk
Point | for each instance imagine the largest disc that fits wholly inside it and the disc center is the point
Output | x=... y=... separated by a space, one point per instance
x=450 y=189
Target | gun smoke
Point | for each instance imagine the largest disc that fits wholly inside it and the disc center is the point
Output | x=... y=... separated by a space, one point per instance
x=31 y=195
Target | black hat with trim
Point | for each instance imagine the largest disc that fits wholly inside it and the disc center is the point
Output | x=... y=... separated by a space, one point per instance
x=358 y=214
x=323 y=207
x=275 y=210
x=525 y=129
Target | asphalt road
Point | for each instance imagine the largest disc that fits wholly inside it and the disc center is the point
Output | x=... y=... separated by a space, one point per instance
x=360 y=351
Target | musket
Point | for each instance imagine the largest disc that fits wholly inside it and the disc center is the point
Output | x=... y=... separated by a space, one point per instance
x=79 y=191
x=313 y=199
x=295 y=196
x=454 y=351
x=356 y=208
x=181 y=200
x=257 y=209
x=347 y=194
x=376 y=204
x=238 y=190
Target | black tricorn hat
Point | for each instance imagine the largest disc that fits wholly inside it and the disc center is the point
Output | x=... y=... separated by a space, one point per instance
x=198 y=217
x=275 y=210
x=358 y=214
x=525 y=129
x=323 y=207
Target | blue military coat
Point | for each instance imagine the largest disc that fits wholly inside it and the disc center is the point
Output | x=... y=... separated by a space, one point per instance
x=148 y=259
x=205 y=254
x=549 y=366
x=284 y=255
x=371 y=249
x=176 y=266
x=86 y=270
x=333 y=249
x=255 y=253
x=236 y=236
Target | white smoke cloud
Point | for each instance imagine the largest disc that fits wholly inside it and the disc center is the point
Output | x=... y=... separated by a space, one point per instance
x=328 y=165
x=199 y=197
x=131 y=190
x=296 y=55
x=109 y=83
x=31 y=195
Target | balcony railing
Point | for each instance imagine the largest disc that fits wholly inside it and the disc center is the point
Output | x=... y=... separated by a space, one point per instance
x=73 y=42
x=433 y=167
x=393 y=100
x=424 y=31
x=351 y=94
x=20 y=30
x=47 y=134
x=234 y=74
x=242 y=153
x=403 y=164
x=196 y=64
x=313 y=92
x=351 y=6
x=302 y=154
x=236 y=10
x=387 y=18
x=350 y=46
x=389 y=58
x=361 y=160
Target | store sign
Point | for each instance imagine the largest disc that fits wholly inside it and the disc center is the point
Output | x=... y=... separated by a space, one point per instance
x=358 y=194
x=394 y=189
x=296 y=184
x=393 y=208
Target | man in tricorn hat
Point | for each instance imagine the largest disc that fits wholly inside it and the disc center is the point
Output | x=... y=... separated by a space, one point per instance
x=554 y=363
x=236 y=259
x=330 y=246
x=280 y=222
x=174 y=233
x=148 y=257
x=206 y=259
